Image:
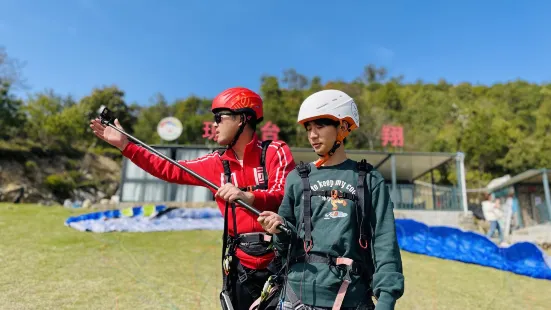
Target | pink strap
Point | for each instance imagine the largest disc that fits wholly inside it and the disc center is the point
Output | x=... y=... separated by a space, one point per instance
x=344 y=261
x=340 y=296
x=267 y=238
x=255 y=304
x=344 y=286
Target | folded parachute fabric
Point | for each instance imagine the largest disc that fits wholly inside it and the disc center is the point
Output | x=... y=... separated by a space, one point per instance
x=522 y=258
x=148 y=218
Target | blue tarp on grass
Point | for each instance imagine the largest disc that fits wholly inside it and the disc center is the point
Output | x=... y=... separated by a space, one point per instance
x=522 y=258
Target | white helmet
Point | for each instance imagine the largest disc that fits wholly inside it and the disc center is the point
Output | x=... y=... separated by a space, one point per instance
x=332 y=104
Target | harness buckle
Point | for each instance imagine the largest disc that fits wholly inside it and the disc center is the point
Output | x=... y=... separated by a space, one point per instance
x=243 y=277
x=303 y=169
x=362 y=165
x=348 y=264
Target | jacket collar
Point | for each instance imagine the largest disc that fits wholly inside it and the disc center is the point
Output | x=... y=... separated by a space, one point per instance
x=251 y=151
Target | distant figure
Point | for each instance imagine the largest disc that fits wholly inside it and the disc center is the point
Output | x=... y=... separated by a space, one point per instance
x=19 y=196
x=512 y=204
x=492 y=214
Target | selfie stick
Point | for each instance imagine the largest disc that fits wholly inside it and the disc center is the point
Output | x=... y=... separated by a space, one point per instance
x=106 y=118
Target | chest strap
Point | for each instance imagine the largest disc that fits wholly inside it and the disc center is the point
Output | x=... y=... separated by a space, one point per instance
x=335 y=194
x=355 y=266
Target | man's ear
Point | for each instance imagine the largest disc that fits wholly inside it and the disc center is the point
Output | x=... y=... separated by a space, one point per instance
x=344 y=126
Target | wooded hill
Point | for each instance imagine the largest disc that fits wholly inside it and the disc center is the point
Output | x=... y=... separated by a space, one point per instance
x=502 y=128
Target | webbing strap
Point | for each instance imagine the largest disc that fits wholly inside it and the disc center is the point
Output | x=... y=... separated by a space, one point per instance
x=264 y=185
x=304 y=170
x=314 y=257
x=227 y=173
x=254 y=238
x=336 y=193
x=362 y=172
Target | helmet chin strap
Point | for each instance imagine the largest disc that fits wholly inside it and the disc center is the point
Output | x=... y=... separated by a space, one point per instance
x=244 y=120
x=343 y=133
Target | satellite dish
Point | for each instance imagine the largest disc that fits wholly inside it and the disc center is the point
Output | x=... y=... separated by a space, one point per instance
x=169 y=128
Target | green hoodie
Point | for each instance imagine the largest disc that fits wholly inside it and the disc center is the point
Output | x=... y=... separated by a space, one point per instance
x=336 y=233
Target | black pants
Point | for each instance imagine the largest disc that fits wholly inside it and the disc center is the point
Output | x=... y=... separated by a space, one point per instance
x=245 y=285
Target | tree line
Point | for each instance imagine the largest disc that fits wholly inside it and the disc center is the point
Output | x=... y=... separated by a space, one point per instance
x=502 y=128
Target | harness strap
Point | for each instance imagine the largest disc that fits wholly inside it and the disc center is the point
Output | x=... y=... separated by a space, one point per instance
x=339 y=194
x=356 y=267
x=264 y=184
x=346 y=281
x=303 y=170
x=363 y=169
x=254 y=238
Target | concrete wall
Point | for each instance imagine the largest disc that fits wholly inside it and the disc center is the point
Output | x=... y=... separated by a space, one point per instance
x=432 y=218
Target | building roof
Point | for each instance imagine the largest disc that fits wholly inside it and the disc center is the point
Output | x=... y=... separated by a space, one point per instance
x=532 y=176
x=409 y=165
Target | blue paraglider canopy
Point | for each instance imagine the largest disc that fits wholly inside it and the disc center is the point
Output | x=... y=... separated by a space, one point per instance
x=454 y=244
x=148 y=218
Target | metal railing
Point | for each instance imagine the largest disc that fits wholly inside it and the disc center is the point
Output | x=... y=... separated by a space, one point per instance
x=426 y=197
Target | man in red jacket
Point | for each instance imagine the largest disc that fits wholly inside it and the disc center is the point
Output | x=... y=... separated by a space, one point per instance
x=247 y=255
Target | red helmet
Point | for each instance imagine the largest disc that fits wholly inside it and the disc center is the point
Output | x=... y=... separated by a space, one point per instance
x=239 y=99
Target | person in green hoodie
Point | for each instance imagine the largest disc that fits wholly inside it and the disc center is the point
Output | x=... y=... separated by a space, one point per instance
x=343 y=248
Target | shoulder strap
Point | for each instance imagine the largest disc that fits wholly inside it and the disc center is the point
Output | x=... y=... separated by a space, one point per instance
x=227 y=174
x=364 y=170
x=304 y=170
x=227 y=170
x=265 y=145
x=225 y=249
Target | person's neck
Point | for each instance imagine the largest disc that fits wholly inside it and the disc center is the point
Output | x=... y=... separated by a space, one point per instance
x=338 y=158
x=239 y=147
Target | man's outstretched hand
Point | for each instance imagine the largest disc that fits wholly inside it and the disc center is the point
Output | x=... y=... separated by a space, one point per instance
x=109 y=134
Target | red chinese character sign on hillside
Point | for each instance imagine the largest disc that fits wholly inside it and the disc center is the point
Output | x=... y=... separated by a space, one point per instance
x=208 y=130
x=270 y=132
x=393 y=135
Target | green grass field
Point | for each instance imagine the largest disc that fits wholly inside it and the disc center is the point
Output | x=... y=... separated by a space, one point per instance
x=46 y=265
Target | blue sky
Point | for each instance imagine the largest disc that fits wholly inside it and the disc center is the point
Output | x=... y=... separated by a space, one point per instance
x=197 y=47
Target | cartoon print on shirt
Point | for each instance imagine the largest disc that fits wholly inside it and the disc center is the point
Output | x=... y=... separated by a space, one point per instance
x=335 y=201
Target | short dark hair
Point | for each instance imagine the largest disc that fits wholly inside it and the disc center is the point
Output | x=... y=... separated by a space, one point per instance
x=326 y=122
